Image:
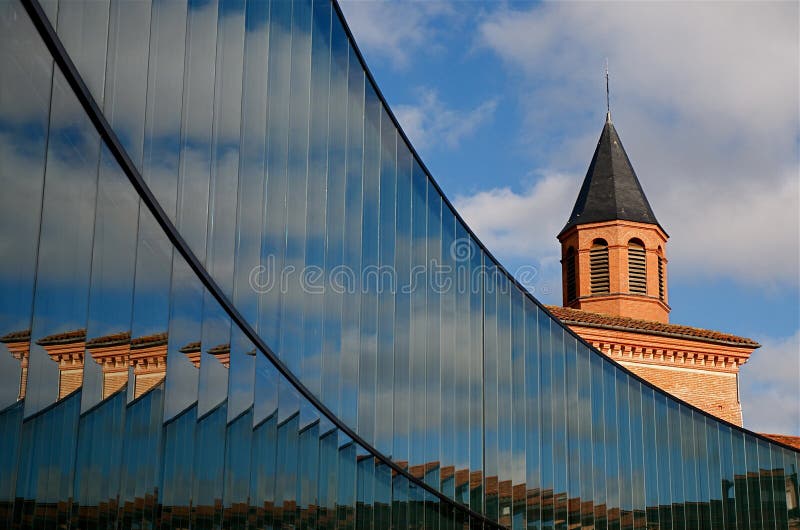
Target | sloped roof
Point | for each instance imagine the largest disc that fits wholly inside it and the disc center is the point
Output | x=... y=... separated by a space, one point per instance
x=67 y=337
x=610 y=190
x=792 y=441
x=600 y=320
x=16 y=336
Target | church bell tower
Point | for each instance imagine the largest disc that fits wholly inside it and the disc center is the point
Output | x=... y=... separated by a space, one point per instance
x=613 y=250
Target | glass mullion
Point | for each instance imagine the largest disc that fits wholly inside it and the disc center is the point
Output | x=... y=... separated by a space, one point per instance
x=446 y=284
x=533 y=430
x=386 y=289
x=518 y=407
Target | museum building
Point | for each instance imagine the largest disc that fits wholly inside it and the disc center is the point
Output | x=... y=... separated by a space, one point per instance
x=213 y=315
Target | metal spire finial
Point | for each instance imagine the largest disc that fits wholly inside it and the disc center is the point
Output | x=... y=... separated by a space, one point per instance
x=608 y=98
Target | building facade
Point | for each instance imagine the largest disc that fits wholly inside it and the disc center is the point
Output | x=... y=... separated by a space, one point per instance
x=615 y=296
x=233 y=296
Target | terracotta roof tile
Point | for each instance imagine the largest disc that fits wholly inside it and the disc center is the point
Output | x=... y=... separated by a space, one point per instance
x=156 y=339
x=220 y=349
x=191 y=347
x=109 y=340
x=67 y=337
x=792 y=441
x=600 y=320
x=16 y=336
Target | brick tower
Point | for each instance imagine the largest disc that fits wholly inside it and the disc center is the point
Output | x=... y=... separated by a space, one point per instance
x=613 y=251
x=614 y=276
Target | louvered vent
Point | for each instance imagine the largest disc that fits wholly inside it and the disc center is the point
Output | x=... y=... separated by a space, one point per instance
x=598 y=266
x=572 y=291
x=637 y=268
x=661 y=278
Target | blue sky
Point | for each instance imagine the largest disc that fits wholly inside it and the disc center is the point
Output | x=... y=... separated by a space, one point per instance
x=505 y=102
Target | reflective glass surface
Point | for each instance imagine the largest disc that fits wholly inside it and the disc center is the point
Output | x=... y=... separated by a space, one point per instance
x=354 y=357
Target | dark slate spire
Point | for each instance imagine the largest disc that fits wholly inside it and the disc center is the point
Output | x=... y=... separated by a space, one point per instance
x=610 y=190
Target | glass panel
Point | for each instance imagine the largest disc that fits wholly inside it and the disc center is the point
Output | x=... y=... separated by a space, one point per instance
x=25 y=92
x=291 y=318
x=445 y=283
x=573 y=435
x=476 y=375
x=792 y=494
x=383 y=496
x=417 y=337
x=286 y=479
x=559 y=385
x=651 y=447
x=312 y=282
x=546 y=395
x=599 y=381
x=518 y=419
x=273 y=243
x=461 y=360
x=351 y=307
x=328 y=480
x=690 y=479
x=368 y=326
x=637 y=453
x=611 y=446
x=490 y=399
x=403 y=386
x=504 y=393
x=676 y=464
x=716 y=493
x=280 y=167
x=25 y=89
x=584 y=412
x=400 y=502
x=740 y=479
x=433 y=410
x=308 y=475
x=386 y=282
x=765 y=485
x=753 y=482
x=335 y=217
x=726 y=472
x=533 y=428
x=624 y=450
x=346 y=487
x=366 y=491
x=702 y=455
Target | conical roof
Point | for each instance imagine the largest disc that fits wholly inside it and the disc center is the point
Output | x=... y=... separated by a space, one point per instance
x=610 y=190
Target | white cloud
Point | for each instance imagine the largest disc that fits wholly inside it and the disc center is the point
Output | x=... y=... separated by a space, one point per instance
x=520 y=225
x=395 y=30
x=705 y=99
x=432 y=123
x=768 y=384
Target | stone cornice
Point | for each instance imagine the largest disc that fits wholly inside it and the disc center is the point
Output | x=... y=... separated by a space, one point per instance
x=665 y=351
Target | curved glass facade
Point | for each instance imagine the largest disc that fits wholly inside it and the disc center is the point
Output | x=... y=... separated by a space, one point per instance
x=287 y=325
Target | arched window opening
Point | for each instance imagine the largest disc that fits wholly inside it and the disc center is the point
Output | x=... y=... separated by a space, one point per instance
x=572 y=289
x=598 y=267
x=660 y=275
x=637 y=267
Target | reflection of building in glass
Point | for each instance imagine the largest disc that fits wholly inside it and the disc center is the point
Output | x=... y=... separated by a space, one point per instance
x=237 y=399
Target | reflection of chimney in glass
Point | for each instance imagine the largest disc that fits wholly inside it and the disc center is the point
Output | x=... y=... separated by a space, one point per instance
x=111 y=352
x=66 y=349
x=148 y=357
x=222 y=353
x=18 y=344
x=193 y=352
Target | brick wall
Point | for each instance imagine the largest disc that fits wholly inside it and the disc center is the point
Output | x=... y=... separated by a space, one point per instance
x=113 y=381
x=701 y=373
x=713 y=392
x=70 y=379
